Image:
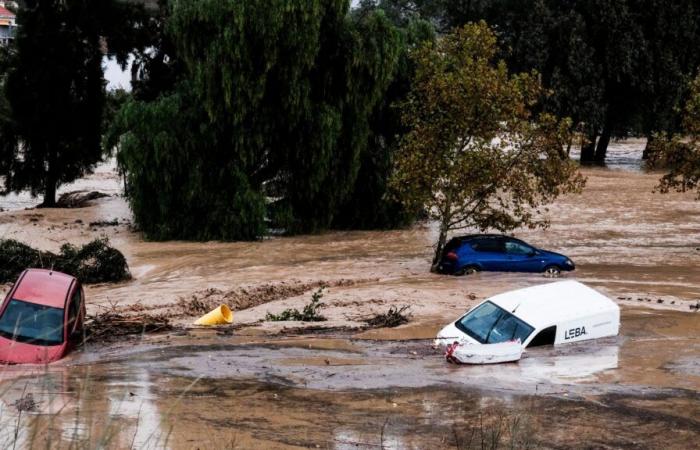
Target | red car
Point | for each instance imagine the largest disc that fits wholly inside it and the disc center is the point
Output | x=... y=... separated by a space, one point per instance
x=41 y=318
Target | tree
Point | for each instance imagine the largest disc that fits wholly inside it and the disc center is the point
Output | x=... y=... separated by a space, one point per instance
x=55 y=92
x=280 y=92
x=680 y=153
x=670 y=59
x=476 y=155
x=614 y=67
x=370 y=206
x=295 y=83
x=181 y=182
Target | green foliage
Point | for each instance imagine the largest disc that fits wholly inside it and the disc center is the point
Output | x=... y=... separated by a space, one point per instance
x=371 y=205
x=16 y=256
x=274 y=101
x=55 y=91
x=95 y=262
x=679 y=153
x=476 y=155
x=181 y=183
x=310 y=313
x=296 y=83
x=614 y=67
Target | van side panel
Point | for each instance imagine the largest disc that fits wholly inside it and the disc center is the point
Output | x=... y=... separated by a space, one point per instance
x=590 y=327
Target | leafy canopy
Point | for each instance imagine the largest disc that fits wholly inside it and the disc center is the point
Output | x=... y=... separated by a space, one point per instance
x=52 y=119
x=680 y=153
x=476 y=156
x=269 y=119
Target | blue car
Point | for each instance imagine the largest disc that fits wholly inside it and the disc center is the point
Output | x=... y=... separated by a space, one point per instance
x=489 y=252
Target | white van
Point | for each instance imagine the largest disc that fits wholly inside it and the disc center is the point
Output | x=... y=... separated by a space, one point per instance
x=554 y=313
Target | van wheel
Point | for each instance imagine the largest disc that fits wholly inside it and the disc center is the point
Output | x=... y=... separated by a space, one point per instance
x=552 y=271
x=467 y=270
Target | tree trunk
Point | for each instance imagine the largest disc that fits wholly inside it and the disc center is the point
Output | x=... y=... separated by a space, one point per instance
x=440 y=247
x=49 y=195
x=602 y=149
x=647 y=149
x=50 y=184
x=588 y=148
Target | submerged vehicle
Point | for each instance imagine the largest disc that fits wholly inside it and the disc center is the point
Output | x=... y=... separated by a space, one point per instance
x=41 y=318
x=548 y=314
x=494 y=252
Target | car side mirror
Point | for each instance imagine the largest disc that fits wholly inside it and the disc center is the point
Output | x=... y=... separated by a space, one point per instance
x=532 y=253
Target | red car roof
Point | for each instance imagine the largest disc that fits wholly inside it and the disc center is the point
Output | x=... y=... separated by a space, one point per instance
x=44 y=287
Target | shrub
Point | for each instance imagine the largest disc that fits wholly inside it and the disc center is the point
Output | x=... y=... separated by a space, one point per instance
x=95 y=262
x=308 y=314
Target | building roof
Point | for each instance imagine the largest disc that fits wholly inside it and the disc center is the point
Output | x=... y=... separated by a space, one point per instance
x=4 y=12
x=553 y=303
x=44 y=287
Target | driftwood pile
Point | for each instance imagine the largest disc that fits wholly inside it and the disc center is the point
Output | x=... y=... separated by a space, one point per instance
x=111 y=326
x=392 y=318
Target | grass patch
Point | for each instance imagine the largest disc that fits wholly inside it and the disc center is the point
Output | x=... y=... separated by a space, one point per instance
x=95 y=262
x=310 y=313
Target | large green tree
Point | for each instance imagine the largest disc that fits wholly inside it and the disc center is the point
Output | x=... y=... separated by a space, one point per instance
x=55 y=91
x=281 y=93
x=616 y=67
x=371 y=205
x=477 y=154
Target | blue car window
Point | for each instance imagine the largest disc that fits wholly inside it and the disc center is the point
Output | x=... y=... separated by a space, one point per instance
x=32 y=323
x=490 y=324
x=515 y=248
x=488 y=245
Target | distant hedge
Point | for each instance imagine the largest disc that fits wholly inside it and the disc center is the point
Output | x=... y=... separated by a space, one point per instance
x=95 y=262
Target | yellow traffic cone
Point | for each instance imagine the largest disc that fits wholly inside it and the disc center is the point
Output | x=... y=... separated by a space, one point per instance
x=219 y=316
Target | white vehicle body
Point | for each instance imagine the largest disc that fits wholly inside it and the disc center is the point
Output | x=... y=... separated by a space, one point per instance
x=574 y=310
x=485 y=353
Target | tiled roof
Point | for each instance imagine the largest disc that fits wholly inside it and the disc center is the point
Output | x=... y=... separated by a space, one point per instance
x=4 y=12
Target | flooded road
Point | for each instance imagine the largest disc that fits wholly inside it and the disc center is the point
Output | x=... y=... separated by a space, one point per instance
x=265 y=384
x=639 y=390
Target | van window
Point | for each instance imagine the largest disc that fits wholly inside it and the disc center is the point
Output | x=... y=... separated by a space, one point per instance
x=544 y=337
x=491 y=324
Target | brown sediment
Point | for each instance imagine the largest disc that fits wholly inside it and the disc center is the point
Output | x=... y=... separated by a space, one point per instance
x=247 y=297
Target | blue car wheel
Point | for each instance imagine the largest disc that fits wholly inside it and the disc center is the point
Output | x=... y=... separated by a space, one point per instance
x=467 y=270
x=552 y=271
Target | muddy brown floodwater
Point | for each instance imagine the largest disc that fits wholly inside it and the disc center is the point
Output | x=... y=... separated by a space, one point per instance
x=286 y=385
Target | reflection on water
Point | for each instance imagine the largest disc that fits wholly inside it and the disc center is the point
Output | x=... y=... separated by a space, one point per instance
x=62 y=406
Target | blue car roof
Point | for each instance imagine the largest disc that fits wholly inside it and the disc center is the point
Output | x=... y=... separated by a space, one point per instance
x=469 y=237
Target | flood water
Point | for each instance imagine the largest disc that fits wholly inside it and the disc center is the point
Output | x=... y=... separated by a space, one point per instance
x=265 y=385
